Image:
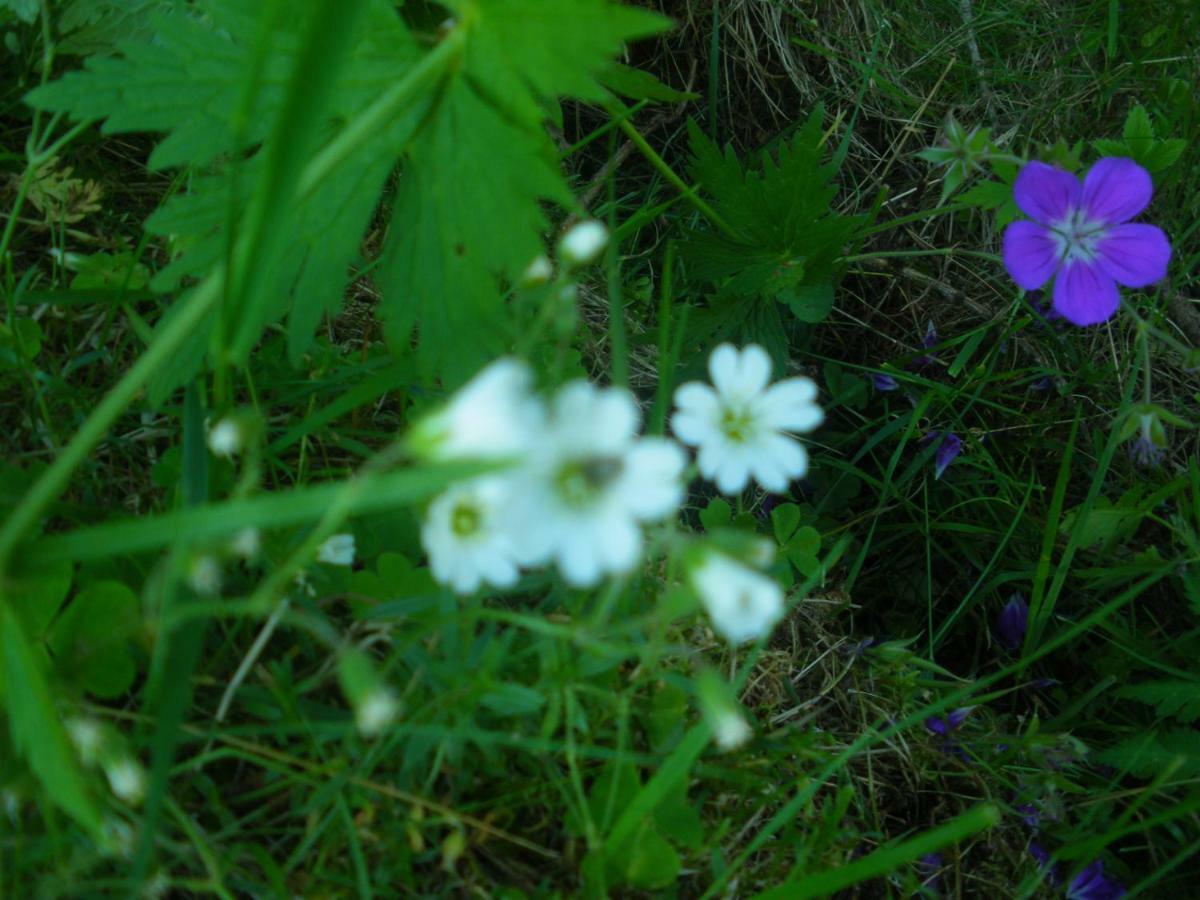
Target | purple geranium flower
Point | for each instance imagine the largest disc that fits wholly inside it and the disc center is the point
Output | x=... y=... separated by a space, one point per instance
x=1011 y=623
x=938 y=725
x=884 y=382
x=1081 y=236
x=949 y=446
x=1090 y=884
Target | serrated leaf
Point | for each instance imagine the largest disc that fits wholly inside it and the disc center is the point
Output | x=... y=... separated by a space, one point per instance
x=91 y=639
x=987 y=195
x=1146 y=755
x=1138 y=128
x=1171 y=699
x=36 y=730
x=1161 y=155
x=1107 y=147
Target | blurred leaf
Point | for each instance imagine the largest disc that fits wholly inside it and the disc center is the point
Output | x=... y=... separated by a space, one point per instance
x=1145 y=755
x=36 y=730
x=638 y=84
x=513 y=700
x=809 y=302
x=652 y=862
x=91 y=639
x=1171 y=699
x=35 y=596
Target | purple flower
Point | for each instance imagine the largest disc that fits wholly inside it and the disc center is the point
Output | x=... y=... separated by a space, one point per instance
x=1011 y=623
x=928 y=867
x=1038 y=852
x=949 y=446
x=884 y=382
x=1081 y=236
x=928 y=340
x=937 y=725
x=1031 y=816
x=1090 y=884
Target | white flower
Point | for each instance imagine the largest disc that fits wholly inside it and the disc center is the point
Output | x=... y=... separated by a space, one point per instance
x=468 y=537
x=376 y=712
x=744 y=605
x=204 y=576
x=127 y=780
x=337 y=550
x=588 y=484
x=729 y=729
x=246 y=543
x=582 y=243
x=494 y=415
x=225 y=438
x=740 y=425
x=88 y=738
x=538 y=272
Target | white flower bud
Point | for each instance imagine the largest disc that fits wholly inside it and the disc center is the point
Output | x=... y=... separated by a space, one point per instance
x=377 y=710
x=225 y=438
x=730 y=730
x=204 y=576
x=583 y=243
x=338 y=550
x=538 y=272
x=127 y=780
x=246 y=543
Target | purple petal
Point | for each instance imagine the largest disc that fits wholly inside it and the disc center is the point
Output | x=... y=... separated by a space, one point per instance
x=930 y=337
x=1134 y=255
x=1115 y=190
x=1030 y=254
x=958 y=716
x=1012 y=622
x=947 y=452
x=884 y=382
x=1090 y=884
x=935 y=725
x=1046 y=194
x=1084 y=295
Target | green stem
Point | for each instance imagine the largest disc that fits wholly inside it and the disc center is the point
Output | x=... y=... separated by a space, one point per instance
x=617 y=109
x=906 y=254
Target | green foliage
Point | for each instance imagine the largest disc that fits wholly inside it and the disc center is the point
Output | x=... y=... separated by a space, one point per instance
x=780 y=240
x=1147 y=755
x=1171 y=699
x=1139 y=143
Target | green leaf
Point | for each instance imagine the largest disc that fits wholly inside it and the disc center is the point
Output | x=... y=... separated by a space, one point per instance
x=36 y=730
x=785 y=519
x=809 y=302
x=637 y=84
x=987 y=195
x=35 y=596
x=25 y=10
x=111 y=271
x=679 y=820
x=652 y=862
x=1138 y=128
x=1146 y=755
x=91 y=639
x=1107 y=147
x=513 y=700
x=1171 y=699
x=718 y=514
x=1163 y=154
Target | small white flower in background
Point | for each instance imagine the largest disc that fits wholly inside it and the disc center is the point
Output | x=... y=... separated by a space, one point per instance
x=225 y=438
x=88 y=738
x=246 y=543
x=729 y=729
x=127 y=779
x=337 y=550
x=494 y=415
x=467 y=537
x=744 y=605
x=204 y=576
x=377 y=710
x=538 y=272
x=582 y=243
x=589 y=483
x=740 y=424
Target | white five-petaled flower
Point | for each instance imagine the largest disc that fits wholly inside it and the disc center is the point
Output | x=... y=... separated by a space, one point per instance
x=590 y=482
x=744 y=605
x=337 y=550
x=493 y=416
x=741 y=425
x=467 y=535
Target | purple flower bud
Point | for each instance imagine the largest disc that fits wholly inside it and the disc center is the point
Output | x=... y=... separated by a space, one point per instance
x=884 y=382
x=1144 y=454
x=949 y=447
x=931 y=336
x=937 y=725
x=1011 y=623
x=1031 y=816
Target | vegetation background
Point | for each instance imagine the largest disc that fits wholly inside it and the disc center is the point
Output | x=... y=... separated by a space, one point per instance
x=260 y=182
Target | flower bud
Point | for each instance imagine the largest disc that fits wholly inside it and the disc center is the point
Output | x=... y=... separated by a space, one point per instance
x=583 y=243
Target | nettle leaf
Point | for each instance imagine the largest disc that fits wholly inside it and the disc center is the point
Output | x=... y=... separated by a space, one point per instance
x=1171 y=699
x=91 y=641
x=467 y=212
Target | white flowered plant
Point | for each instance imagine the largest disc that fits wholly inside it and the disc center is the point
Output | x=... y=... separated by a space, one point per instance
x=589 y=484
x=337 y=550
x=743 y=605
x=466 y=536
x=741 y=425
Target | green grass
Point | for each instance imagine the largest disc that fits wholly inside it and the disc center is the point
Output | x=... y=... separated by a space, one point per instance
x=554 y=742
